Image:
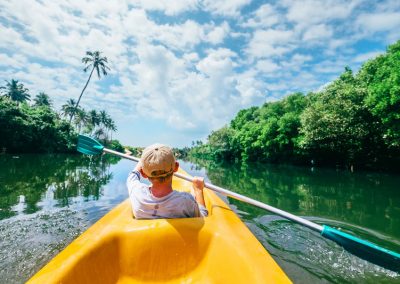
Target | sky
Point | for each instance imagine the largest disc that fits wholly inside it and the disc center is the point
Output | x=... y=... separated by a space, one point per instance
x=181 y=69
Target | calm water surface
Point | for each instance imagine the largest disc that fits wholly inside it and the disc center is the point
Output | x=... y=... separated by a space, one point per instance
x=46 y=201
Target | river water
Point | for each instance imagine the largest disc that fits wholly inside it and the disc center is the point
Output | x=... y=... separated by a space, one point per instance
x=46 y=201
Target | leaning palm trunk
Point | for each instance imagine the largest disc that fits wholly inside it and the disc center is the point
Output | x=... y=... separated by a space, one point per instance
x=79 y=99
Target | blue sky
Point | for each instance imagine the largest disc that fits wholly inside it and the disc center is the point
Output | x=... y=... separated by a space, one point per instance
x=180 y=69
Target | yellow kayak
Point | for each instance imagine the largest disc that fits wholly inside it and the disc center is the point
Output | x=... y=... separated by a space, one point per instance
x=120 y=249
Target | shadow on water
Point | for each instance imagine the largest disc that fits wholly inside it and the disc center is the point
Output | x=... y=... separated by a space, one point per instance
x=365 y=204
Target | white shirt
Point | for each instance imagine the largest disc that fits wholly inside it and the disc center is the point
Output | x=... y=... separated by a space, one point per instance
x=174 y=205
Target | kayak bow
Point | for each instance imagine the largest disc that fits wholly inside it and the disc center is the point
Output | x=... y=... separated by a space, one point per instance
x=120 y=249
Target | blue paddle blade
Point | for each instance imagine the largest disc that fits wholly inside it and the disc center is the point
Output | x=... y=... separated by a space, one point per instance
x=364 y=249
x=89 y=146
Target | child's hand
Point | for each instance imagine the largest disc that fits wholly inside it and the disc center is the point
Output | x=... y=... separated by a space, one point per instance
x=197 y=190
x=198 y=183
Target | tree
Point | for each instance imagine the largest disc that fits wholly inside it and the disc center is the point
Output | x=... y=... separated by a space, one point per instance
x=16 y=91
x=112 y=127
x=68 y=108
x=106 y=121
x=93 y=120
x=221 y=143
x=81 y=118
x=42 y=99
x=33 y=129
x=337 y=126
x=93 y=61
x=381 y=77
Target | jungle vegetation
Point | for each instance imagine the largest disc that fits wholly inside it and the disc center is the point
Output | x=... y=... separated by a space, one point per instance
x=36 y=127
x=353 y=122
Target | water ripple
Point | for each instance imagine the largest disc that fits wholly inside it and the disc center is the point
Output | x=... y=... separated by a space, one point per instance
x=297 y=248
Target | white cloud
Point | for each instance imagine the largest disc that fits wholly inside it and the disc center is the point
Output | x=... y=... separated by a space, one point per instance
x=184 y=36
x=264 y=17
x=368 y=24
x=378 y=22
x=311 y=12
x=331 y=66
x=317 y=32
x=361 y=58
x=218 y=33
x=229 y=8
x=266 y=43
x=267 y=66
x=188 y=64
x=296 y=63
x=217 y=62
x=169 y=8
x=191 y=57
x=14 y=61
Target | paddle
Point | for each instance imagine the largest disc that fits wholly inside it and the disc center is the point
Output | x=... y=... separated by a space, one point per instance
x=364 y=249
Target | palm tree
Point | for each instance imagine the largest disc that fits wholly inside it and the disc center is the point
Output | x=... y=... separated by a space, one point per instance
x=93 y=119
x=69 y=108
x=99 y=133
x=16 y=91
x=112 y=127
x=81 y=118
x=42 y=99
x=93 y=61
x=104 y=118
x=103 y=115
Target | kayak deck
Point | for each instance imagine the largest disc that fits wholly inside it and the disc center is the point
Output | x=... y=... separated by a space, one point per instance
x=120 y=249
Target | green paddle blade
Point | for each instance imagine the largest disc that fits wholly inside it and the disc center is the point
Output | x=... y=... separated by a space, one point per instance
x=364 y=249
x=89 y=146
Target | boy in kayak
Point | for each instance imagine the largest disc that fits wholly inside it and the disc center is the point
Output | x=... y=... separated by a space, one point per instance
x=159 y=200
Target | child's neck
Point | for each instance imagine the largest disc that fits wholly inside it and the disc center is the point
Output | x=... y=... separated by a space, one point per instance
x=161 y=189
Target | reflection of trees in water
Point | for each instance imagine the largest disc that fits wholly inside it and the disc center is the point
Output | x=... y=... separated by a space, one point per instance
x=366 y=199
x=66 y=176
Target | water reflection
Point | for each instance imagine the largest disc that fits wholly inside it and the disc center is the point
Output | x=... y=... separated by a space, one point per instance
x=370 y=200
x=78 y=191
x=365 y=204
x=30 y=182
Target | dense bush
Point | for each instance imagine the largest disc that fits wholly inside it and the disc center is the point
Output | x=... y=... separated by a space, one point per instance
x=38 y=128
x=25 y=128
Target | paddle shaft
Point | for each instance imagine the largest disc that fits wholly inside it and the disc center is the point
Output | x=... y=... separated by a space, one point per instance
x=237 y=196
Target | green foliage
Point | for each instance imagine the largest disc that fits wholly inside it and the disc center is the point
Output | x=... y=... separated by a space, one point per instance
x=135 y=151
x=33 y=129
x=268 y=133
x=181 y=153
x=381 y=77
x=355 y=120
x=15 y=91
x=37 y=128
x=98 y=124
x=337 y=124
x=67 y=176
x=42 y=99
x=115 y=145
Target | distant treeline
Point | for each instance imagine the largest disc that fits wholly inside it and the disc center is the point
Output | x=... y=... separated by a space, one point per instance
x=354 y=121
x=37 y=128
x=180 y=153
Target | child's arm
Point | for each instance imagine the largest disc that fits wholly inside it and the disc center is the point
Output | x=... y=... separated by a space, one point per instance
x=198 y=185
x=133 y=180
